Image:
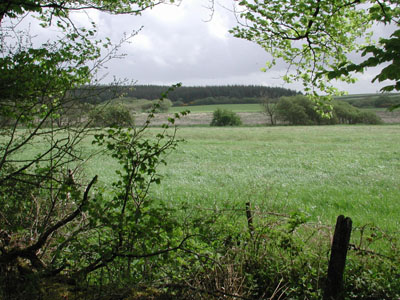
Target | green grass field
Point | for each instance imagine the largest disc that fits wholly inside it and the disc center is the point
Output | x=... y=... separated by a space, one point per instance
x=211 y=108
x=322 y=171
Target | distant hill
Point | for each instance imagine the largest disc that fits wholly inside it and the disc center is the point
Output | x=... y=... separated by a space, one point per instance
x=378 y=100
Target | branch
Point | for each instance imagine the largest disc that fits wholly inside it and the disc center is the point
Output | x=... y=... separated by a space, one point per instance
x=30 y=251
x=102 y=261
x=43 y=238
x=130 y=255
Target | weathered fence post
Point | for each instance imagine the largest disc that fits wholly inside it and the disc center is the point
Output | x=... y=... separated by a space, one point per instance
x=337 y=262
x=249 y=218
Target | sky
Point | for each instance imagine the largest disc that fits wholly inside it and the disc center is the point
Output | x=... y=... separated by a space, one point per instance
x=181 y=44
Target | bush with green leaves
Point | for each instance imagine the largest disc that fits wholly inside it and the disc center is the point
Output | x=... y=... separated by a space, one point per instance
x=348 y=114
x=300 y=110
x=110 y=115
x=369 y=117
x=223 y=117
x=165 y=105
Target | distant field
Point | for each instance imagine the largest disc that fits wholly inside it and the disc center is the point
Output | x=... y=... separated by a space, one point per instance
x=211 y=108
x=365 y=96
x=321 y=171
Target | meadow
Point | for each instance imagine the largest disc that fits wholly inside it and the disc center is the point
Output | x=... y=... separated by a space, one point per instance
x=210 y=108
x=298 y=179
x=321 y=171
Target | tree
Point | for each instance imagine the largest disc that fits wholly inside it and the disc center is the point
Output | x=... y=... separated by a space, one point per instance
x=54 y=220
x=269 y=108
x=315 y=38
x=296 y=110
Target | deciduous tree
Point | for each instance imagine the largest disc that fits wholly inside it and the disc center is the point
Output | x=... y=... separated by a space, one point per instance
x=316 y=37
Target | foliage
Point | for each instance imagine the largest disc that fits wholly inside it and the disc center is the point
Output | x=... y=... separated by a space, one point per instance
x=64 y=228
x=299 y=110
x=387 y=51
x=49 y=10
x=54 y=220
x=314 y=37
x=136 y=105
x=285 y=257
x=348 y=114
x=110 y=116
x=225 y=118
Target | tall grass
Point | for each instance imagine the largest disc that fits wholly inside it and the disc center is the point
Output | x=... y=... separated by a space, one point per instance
x=321 y=171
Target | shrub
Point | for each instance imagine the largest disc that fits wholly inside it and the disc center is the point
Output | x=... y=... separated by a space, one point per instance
x=345 y=112
x=178 y=103
x=368 y=117
x=110 y=115
x=146 y=106
x=299 y=110
x=225 y=118
x=160 y=106
x=348 y=114
x=163 y=105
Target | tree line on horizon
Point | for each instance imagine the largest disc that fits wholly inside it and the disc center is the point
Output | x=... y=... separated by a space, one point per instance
x=185 y=95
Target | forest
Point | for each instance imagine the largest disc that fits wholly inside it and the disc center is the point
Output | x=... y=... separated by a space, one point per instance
x=189 y=95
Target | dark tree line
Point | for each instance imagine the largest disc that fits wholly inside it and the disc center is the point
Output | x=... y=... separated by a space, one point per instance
x=186 y=94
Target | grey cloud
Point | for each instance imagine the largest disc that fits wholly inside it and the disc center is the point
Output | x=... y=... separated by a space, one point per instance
x=178 y=46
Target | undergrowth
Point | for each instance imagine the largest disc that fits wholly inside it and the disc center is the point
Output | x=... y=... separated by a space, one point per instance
x=277 y=257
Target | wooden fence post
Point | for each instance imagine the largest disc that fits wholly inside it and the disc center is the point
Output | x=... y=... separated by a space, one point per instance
x=249 y=218
x=337 y=262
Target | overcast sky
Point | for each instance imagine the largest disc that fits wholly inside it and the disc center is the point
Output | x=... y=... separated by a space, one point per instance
x=176 y=44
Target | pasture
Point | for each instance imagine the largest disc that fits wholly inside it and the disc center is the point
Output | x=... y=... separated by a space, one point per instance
x=322 y=171
x=306 y=173
x=210 y=108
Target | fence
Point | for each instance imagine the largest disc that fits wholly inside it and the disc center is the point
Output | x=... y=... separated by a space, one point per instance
x=339 y=248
